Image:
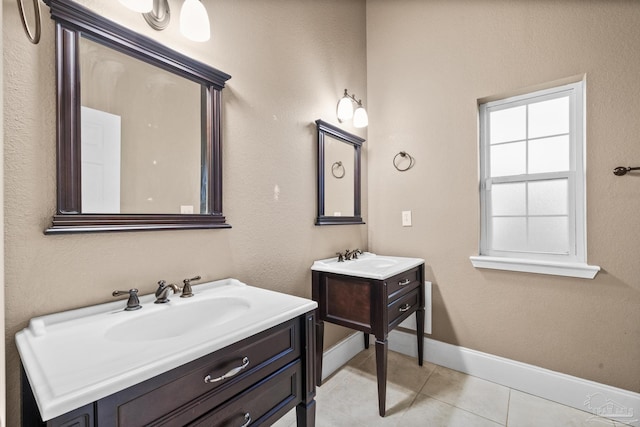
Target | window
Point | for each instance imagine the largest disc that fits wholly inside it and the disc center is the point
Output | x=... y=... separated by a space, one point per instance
x=532 y=188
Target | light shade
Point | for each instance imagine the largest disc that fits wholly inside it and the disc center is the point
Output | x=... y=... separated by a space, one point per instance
x=142 y=6
x=344 y=111
x=194 y=21
x=360 y=117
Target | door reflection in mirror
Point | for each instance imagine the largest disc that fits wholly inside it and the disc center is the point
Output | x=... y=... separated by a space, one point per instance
x=158 y=142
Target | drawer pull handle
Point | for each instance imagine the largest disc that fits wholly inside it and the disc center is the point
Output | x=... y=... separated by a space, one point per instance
x=405 y=282
x=231 y=373
x=404 y=307
x=247 y=420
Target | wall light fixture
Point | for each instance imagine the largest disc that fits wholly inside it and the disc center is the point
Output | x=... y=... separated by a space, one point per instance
x=344 y=110
x=194 y=21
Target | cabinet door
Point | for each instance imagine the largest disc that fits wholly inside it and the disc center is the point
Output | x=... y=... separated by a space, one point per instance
x=81 y=417
x=267 y=400
x=182 y=395
x=346 y=301
x=403 y=283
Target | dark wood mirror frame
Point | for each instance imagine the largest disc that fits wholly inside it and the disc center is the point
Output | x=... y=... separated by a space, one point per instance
x=72 y=22
x=324 y=128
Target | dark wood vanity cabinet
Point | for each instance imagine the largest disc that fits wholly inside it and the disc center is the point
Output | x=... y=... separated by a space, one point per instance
x=278 y=376
x=372 y=306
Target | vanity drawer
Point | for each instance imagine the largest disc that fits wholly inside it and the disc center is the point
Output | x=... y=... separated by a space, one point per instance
x=401 y=308
x=402 y=283
x=156 y=401
x=275 y=395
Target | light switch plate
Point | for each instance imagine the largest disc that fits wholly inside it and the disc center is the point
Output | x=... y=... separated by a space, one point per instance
x=406 y=218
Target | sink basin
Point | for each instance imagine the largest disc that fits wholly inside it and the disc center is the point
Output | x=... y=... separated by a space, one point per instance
x=368 y=265
x=79 y=356
x=174 y=321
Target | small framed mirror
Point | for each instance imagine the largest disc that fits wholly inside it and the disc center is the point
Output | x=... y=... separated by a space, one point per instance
x=138 y=130
x=338 y=174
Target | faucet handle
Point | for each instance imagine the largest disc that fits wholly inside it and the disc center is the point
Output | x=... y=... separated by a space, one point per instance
x=186 y=289
x=161 y=285
x=133 y=303
x=340 y=256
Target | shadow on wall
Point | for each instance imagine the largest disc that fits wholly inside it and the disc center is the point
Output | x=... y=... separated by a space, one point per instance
x=441 y=322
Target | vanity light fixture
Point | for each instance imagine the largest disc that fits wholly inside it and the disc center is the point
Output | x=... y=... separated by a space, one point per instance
x=194 y=21
x=345 y=111
x=159 y=16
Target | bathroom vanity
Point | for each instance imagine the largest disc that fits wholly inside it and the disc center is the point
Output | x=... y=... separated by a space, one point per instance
x=372 y=294
x=233 y=355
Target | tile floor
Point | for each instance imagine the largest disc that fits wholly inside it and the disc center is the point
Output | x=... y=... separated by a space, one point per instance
x=433 y=396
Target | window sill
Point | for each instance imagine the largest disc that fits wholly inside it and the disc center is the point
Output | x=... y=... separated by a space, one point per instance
x=579 y=270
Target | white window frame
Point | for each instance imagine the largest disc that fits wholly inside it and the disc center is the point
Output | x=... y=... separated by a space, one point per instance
x=572 y=263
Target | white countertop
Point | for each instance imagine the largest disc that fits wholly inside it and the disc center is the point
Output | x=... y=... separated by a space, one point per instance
x=76 y=357
x=368 y=265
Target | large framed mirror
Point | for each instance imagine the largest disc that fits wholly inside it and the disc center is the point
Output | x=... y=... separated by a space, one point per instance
x=338 y=175
x=138 y=130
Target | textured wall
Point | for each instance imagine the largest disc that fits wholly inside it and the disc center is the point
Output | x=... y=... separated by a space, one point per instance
x=428 y=63
x=290 y=60
x=3 y=389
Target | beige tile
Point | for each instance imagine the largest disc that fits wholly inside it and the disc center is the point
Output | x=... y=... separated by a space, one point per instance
x=426 y=411
x=289 y=420
x=402 y=370
x=361 y=357
x=330 y=418
x=481 y=397
x=356 y=398
x=526 y=410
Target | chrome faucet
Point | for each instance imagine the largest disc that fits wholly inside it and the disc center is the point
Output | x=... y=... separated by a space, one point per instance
x=186 y=289
x=133 y=303
x=349 y=255
x=162 y=293
x=353 y=255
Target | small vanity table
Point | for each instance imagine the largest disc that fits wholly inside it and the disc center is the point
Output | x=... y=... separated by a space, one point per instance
x=372 y=294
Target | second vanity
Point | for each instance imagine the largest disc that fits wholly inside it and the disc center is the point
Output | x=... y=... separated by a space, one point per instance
x=372 y=294
x=233 y=355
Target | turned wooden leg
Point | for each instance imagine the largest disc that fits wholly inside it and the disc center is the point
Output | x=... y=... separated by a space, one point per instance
x=420 y=334
x=381 y=370
x=319 y=344
x=366 y=341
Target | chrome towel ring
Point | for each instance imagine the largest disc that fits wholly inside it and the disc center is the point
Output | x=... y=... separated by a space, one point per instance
x=336 y=167
x=33 y=38
x=402 y=155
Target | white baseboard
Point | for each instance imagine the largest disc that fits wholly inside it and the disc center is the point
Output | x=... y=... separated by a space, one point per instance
x=335 y=357
x=600 y=399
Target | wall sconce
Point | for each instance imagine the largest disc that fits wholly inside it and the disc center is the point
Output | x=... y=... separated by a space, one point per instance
x=345 y=111
x=194 y=21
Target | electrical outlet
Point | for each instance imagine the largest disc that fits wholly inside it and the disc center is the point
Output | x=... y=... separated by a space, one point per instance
x=406 y=218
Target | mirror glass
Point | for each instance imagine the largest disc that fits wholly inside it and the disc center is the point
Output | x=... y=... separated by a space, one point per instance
x=141 y=136
x=339 y=179
x=139 y=130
